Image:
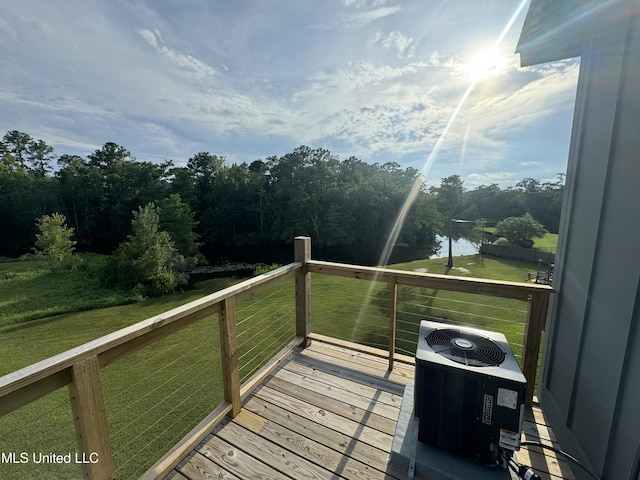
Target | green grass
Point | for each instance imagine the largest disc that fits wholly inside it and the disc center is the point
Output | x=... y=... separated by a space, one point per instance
x=30 y=290
x=358 y=311
x=141 y=391
x=156 y=395
x=548 y=243
x=30 y=341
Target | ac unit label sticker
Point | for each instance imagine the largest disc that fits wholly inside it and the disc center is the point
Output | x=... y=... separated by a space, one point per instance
x=507 y=398
x=487 y=409
x=509 y=439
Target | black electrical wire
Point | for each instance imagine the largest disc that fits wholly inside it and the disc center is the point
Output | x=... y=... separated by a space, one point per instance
x=560 y=452
x=523 y=471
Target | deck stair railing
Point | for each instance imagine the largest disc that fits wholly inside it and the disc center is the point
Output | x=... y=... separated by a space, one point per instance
x=79 y=369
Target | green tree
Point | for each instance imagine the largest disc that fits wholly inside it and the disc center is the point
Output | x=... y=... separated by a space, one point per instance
x=111 y=184
x=476 y=237
x=147 y=261
x=23 y=197
x=449 y=197
x=40 y=157
x=53 y=241
x=206 y=172
x=177 y=219
x=16 y=144
x=26 y=150
x=520 y=231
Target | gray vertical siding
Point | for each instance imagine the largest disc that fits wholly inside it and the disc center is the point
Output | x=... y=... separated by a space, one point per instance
x=591 y=370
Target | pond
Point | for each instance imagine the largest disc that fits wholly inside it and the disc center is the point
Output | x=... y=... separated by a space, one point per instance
x=459 y=247
x=224 y=260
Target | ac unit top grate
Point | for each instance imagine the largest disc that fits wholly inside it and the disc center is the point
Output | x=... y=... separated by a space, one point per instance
x=465 y=348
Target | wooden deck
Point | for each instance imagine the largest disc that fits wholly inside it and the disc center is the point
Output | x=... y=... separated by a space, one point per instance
x=326 y=412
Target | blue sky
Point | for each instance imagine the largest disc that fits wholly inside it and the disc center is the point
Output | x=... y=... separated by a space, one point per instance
x=246 y=79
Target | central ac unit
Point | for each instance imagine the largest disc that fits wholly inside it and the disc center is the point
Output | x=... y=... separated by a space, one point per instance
x=469 y=392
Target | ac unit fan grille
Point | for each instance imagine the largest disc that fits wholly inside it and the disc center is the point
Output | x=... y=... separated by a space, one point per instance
x=465 y=348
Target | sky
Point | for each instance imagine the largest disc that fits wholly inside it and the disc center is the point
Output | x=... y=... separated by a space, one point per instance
x=434 y=85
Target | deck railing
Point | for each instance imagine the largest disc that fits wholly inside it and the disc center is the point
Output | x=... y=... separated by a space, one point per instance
x=79 y=369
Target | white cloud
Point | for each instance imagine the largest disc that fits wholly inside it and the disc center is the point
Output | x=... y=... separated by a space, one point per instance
x=196 y=67
x=403 y=45
x=148 y=36
x=356 y=75
x=361 y=19
x=225 y=80
x=512 y=107
x=364 y=3
x=57 y=105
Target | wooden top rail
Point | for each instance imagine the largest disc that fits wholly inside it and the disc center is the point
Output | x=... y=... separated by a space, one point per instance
x=34 y=381
x=536 y=295
x=79 y=367
x=495 y=288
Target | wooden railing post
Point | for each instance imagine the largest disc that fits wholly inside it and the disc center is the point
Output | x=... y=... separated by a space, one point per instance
x=302 y=254
x=229 y=354
x=393 y=284
x=536 y=316
x=90 y=419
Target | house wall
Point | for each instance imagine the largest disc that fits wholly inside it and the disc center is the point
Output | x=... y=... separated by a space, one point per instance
x=590 y=385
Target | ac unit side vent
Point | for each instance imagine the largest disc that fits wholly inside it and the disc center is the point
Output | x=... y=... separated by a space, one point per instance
x=454 y=399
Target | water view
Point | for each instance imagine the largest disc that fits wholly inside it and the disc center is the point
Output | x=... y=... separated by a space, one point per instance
x=459 y=247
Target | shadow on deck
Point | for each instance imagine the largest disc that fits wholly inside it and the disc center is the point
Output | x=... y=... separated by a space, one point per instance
x=327 y=412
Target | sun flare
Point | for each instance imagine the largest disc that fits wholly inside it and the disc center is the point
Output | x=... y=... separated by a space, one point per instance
x=488 y=63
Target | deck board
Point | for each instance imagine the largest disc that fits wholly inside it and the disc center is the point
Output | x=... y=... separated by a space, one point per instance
x=535 y=429
x=367 y=390
x=300 y=445
x=271 y=453
x=339 y=390
x=328 y=412
x=321 y=434
x=197 y=465
x=346 y=369
x=355 y=429
x=340 y=404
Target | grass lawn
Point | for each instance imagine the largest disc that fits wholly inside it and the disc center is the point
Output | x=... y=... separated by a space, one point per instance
x=30 y=290
x=141 y=391
x=358 y=311
x=43 y=313
x=548 y=243
x=156 y=395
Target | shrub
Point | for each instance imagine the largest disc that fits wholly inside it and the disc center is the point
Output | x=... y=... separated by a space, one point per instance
x=147 y=261
x=53 y=242
x=265 y=269
x=520 y=231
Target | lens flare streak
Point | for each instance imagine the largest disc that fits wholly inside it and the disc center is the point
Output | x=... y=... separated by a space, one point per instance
x=404 y=210
x=402 y=214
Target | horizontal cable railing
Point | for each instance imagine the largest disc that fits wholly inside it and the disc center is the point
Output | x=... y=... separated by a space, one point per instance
x=134 y=394
x=506 y=316
x=356 y=311
x=522 y=303
x=30 y=435
x=168 y=380
x=158 y=394
x=350 y=310
x=265 y=325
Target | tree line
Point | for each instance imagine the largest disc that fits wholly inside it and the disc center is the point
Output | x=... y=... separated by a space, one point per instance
x=263 y=203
